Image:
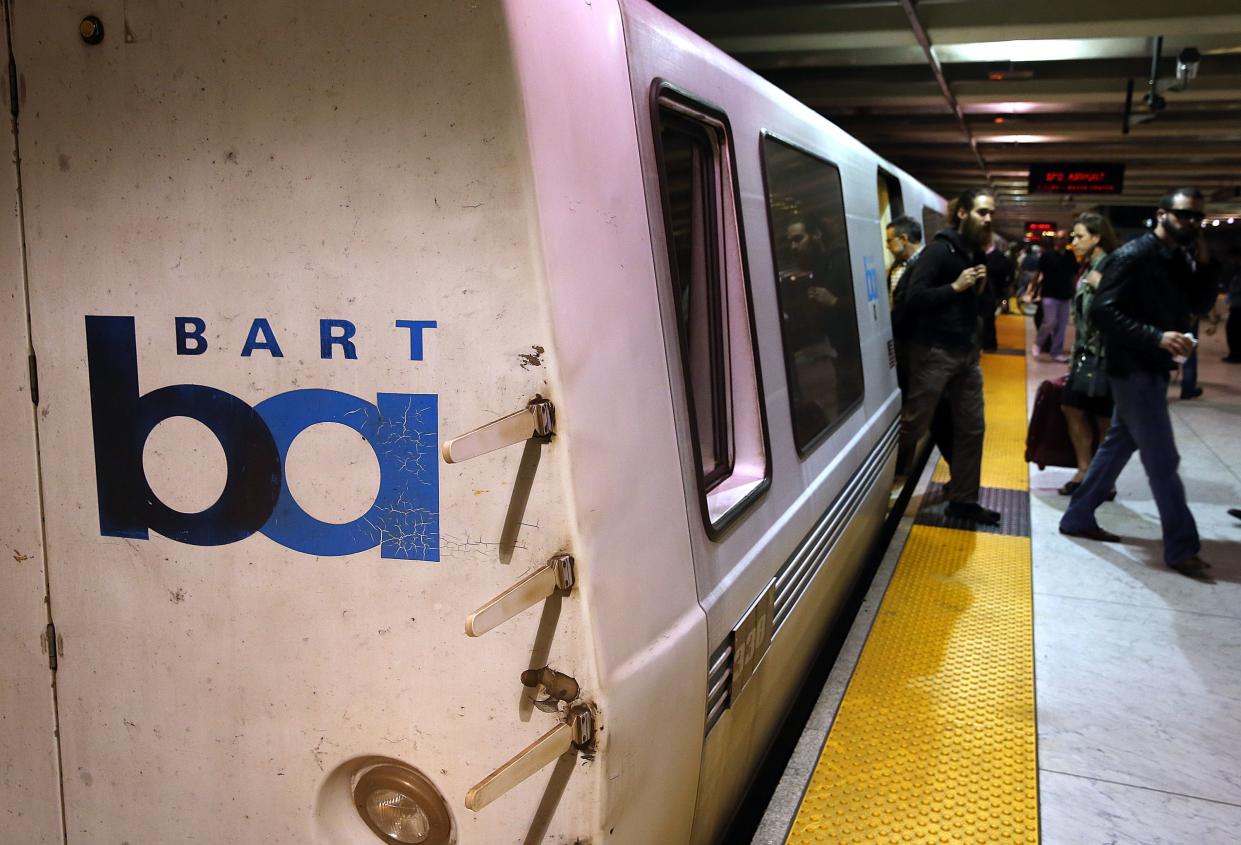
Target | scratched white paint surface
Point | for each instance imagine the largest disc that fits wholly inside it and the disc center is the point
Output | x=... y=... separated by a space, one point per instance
x=291 y=162
x=29 y=787
x=374 y=163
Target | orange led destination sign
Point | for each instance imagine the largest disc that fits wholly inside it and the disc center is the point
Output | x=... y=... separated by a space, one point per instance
x=1036 y=231
x=1077 y=178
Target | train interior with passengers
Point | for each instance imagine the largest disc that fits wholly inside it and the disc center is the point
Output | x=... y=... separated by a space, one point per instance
x=669 y=270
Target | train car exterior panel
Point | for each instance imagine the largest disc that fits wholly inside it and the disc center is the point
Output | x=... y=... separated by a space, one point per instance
x=29 y=773
x=257 y=186
x=648 y=631
x=735 y=570
x=267 y=277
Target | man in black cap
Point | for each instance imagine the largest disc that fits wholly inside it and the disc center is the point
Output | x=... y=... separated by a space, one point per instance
x=1151 y=288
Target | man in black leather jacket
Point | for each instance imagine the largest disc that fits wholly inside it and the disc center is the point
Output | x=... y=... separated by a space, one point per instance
x=1151 y=288
x=943 y=350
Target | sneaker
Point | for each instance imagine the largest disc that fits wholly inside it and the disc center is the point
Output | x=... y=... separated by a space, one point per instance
x=1192 y=393
x=1060 y=359
x=1235 y=512
x=1035 y=351
x=972 y=511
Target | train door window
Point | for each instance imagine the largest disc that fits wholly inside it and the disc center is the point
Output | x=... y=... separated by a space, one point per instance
x=891 y=206
x=818 y=310
x=932 y=222
x=712 y=306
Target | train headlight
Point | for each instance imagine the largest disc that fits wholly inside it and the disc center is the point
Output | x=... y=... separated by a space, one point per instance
x=401 y=806
x=397 y=816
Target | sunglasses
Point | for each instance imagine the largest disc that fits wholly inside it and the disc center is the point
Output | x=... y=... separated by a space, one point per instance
x=1187 y=215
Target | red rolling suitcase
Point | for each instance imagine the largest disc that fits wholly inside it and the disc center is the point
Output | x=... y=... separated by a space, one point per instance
x=1047 y=439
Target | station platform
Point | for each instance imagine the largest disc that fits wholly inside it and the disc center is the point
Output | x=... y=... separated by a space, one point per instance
x=1011 y=684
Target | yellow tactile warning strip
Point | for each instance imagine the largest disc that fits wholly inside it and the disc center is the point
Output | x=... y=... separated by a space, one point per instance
x=935 y=740
x=1010 y=332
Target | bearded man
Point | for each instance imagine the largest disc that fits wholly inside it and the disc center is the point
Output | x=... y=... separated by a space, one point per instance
x=943 y=351
x=1151 y=288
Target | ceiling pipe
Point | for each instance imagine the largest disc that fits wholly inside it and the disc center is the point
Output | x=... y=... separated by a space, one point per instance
x=924 y=40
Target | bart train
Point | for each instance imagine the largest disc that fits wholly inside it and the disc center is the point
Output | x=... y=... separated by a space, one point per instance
x=334 y=329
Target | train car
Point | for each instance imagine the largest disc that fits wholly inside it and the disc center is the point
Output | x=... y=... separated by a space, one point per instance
x=426 y=422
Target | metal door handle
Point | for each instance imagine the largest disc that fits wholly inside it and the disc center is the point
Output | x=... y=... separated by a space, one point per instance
x=578 y=732
x=556 y=574
x=537 y=419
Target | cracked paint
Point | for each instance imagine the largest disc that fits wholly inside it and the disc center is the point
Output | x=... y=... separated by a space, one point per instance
x=403 y=430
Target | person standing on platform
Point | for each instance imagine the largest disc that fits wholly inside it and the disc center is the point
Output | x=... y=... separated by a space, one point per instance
x=999 y=278
x=943 y=356
x=904 y=241
x=1056 y=271
x=1027 y=264
x=1087 y=400
x=1151 y=288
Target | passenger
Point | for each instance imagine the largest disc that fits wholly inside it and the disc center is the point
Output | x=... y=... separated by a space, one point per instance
x=1151 y=287
x=1014 y=255
x=1056 y=270
x=904 y=241
x=943 y=359
x=1232 y=330
x=999 y=278
x=1087 y=400
x=1028 y=263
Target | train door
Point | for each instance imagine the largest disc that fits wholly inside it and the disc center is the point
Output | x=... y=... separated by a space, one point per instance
x=891 y=206
x=932 y=223
x=30 y=804
x=258 y=272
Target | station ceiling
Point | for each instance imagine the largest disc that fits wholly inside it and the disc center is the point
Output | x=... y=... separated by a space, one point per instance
x=959 y=92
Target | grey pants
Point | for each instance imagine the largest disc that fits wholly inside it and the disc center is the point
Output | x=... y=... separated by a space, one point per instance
x=936 y=372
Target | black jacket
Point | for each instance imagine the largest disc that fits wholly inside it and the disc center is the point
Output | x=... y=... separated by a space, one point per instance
x=1147 y=289
x=944 y=317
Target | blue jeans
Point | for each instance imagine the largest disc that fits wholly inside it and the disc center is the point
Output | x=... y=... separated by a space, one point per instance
x=1139 y=423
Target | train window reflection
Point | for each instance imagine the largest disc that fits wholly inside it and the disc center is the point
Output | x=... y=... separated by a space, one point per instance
x=691 y=190
x=818 y=311
x=709 y=293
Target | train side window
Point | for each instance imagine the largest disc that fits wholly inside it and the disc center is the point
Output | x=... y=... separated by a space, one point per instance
x=818 y=310
x=712 y=304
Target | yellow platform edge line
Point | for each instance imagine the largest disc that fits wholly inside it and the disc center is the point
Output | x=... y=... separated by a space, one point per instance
x=935 y=740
